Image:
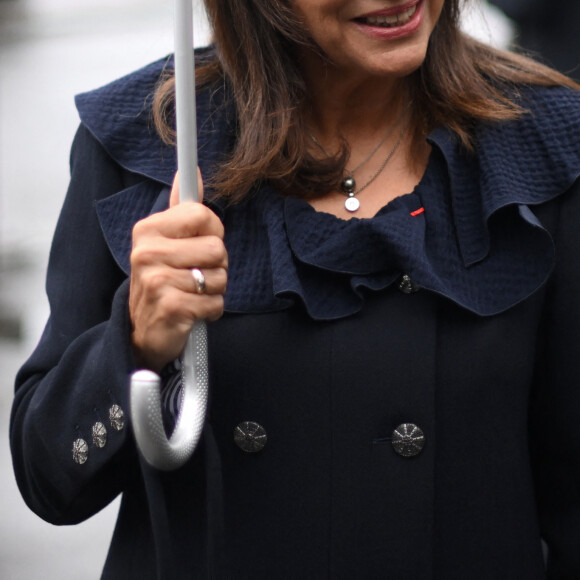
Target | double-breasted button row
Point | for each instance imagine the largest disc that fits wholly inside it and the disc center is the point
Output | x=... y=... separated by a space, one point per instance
x=408 y=440
x=80 y=449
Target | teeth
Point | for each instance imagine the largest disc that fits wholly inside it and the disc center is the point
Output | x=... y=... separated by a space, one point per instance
x=392 y=21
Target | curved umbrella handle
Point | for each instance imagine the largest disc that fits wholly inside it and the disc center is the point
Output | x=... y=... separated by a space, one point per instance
x=146 y=412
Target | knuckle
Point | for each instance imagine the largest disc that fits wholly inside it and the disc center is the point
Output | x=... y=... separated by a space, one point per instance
x=207 y=220
x=156 y=280
x=215 y=305
x=216 y=309
x=219 y=226
x=142 y=255
x=222 y=275
x=143 y=228
x=193 y=210
x=169 y=306
x=139 y=230
x=207 y=307
x=221 y=280
x=215 y=250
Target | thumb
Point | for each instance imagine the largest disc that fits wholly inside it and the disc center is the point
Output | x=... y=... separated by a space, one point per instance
x=174 y=197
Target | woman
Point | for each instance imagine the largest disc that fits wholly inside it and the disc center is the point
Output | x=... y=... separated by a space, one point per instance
x=392 y=366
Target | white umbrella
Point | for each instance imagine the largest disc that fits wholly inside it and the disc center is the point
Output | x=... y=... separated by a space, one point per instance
x=146 y=412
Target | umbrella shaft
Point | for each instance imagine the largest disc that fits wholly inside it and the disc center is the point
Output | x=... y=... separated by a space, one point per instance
x=185 y=112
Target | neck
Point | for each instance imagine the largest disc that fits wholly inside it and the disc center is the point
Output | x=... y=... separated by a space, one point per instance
x=351 y=107
x=372 y=115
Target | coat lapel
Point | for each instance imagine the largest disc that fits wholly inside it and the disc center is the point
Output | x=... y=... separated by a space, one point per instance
x=119 y=213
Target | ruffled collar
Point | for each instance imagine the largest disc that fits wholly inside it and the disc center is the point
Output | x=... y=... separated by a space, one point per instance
x=477 y=242
x=329 y=264
x=119 y=117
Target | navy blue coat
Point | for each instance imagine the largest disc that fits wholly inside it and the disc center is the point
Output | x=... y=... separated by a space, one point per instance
x=324 y=347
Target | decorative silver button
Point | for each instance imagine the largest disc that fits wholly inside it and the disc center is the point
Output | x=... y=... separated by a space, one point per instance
x=408 y=440
x=406 y=285
x=99 y=435
x=80 y=451
x=250 y=437
x=117 y=417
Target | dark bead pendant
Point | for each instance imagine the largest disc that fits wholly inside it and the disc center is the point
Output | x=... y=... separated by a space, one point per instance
x=348 y=184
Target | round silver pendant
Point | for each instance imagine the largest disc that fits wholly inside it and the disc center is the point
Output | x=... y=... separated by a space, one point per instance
x=352 y=204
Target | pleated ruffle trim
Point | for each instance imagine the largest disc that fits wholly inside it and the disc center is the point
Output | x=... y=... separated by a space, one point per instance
x=467 y=232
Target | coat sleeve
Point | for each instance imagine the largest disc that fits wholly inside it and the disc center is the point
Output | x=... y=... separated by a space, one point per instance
x=555 y=410
x=72 y=394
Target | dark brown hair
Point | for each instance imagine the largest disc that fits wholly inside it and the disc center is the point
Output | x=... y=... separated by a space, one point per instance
x=461 y=81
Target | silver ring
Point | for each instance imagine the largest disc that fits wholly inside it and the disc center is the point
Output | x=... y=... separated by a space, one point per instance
x=199 y=280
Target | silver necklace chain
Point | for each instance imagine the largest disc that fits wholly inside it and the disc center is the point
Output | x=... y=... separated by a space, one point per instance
x=366 y=159
x=352 y=192
x=371 y=154
x=348 y=184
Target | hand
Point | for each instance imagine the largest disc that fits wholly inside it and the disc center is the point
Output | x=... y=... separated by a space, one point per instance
x=163 y=299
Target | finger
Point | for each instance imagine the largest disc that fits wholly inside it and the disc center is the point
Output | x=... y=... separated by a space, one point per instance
x=161 y=334
x=199 y=252
x=158 y=281
x=177 y=311
x=174 y=197
x=206 y=307
x=208 y=281
x=184 y=220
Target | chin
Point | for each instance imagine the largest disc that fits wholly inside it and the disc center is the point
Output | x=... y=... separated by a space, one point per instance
x=403 y=65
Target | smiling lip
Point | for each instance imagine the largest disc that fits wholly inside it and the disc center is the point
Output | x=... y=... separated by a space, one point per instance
x=393 y=22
